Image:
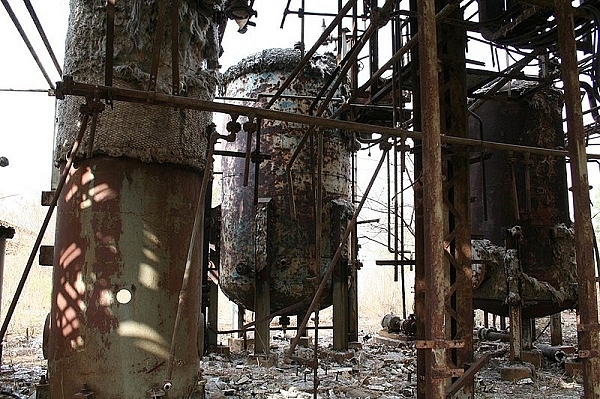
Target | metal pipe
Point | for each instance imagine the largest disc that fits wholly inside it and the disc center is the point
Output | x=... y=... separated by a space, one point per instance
x=491 y=334
x=338 y=253
x=15 y=21
x=310 y=52
x=302 y=22
x=234 y=331
x=110 y=42
x=513 y=181
x=554 y=353
x=175 y=46
x=412 y=42
x=156 y=45
x=69 y=87
x=258 y=160
x=86 y=109
x=247 y=158
x=40 y=30
x=483 y=178
x=195 y=249
x=319 y=204
x=528 y=163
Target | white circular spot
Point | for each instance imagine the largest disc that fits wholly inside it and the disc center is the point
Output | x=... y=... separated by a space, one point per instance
x=123 y=296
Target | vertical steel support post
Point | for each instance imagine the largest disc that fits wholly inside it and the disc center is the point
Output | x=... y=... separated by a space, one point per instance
x=213 y=315
x=262 y=293
x=556 y=338
x=340 y=286
x=588 y=332
x=5 y=234
x=454 y=122
x=433 y=210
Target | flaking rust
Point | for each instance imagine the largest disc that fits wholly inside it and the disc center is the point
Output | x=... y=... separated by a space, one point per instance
x=291 y=246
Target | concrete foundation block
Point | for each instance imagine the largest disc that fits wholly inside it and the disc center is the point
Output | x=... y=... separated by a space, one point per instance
x=305 y=342
x=269 y=360
x=534 y=357
x=573 y=368
x=516 y=372
x=237 y=344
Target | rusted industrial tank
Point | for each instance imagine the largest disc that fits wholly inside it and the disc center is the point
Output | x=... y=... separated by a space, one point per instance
x=275 y=240
x=123 y=219
x=520 y=201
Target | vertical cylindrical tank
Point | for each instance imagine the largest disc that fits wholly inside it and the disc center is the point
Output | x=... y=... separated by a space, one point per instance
x=290 y=251
x=519 y=188
x=525 y=190
x=121 y=250
x=123 y=218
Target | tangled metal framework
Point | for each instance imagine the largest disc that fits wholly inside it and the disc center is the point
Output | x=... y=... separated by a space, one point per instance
x=425 y=65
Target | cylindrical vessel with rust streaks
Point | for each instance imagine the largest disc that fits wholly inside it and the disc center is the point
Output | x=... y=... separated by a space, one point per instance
x=125 y=216
x=290 y=253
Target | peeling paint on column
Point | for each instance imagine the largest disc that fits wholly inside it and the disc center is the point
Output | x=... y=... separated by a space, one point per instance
x=126 y=214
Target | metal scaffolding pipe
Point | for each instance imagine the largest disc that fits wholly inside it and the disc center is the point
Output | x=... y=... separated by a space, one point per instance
x=15 y=21
x=312 y=51
x=338 y=253
x=43 y=36
x=69 y=87
x=86 y=111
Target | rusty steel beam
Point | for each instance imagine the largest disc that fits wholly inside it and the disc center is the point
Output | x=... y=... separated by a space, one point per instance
x=468 y=375
x=312 y=51
x=453 y=100
x=43 y=36
x=69 y=87
x=160 y=28
x=588 y=331
x=17 y=24
x=433 y=203
x=175 y=46
x=195 y=250
x=110 y=43
x=338 y=253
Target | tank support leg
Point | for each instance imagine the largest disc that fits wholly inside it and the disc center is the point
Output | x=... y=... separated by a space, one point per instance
x=213 y=315
x=340 y=286
x=556 y=330
x=262 y=294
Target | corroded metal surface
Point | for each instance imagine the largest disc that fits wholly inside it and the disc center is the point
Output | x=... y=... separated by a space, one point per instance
x=529 y=191
x=129 y=129
x=119 y=263
x=291 y=251
x=538 y=296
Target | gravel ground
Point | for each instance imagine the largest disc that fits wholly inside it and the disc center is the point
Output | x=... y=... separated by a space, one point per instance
x=374 y=371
